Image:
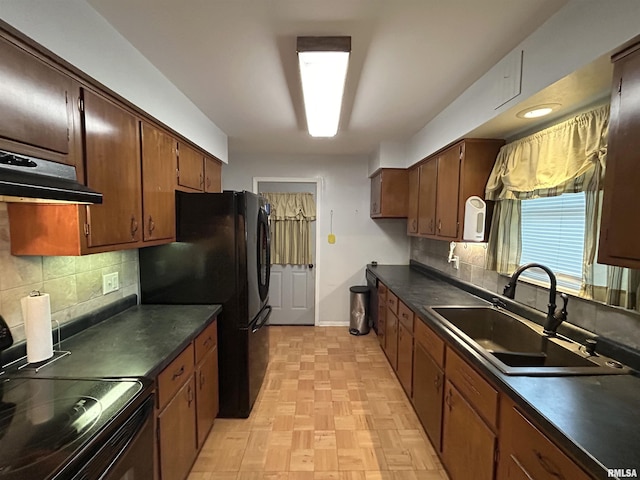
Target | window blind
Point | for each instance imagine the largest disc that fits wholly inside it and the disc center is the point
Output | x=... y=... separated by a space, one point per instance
x=553 y=235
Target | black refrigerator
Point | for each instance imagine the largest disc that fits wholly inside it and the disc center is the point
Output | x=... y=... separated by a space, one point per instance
x=221 y=255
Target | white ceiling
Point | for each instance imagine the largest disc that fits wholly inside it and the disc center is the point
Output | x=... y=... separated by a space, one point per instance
x=236 y=60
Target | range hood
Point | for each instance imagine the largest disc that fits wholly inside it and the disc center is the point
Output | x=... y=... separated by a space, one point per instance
x=29 y=179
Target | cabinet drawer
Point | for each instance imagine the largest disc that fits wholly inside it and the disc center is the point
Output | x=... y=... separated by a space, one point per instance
x=475 y=389
x=533 y=453
x=405 y=315
x=206 y=340
x=175 y=375
x=382 y=289
x=392 y=302
x=430 y=341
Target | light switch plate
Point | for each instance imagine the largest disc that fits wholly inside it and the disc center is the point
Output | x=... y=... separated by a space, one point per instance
x=110 y=282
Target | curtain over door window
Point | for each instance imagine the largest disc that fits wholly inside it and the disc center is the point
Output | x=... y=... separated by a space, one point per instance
x=290 y=219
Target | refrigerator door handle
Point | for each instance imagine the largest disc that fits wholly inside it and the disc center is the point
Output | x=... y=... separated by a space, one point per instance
x=266 y=314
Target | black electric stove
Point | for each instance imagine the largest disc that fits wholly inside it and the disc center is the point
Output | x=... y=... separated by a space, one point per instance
x=54 y=428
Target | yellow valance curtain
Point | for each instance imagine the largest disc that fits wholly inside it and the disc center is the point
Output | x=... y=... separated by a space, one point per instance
x=565 y=158
x=560 y=159
x=290 y=219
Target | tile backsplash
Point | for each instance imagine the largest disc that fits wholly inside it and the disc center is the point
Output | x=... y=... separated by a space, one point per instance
x=615 y=323
x=73 y=283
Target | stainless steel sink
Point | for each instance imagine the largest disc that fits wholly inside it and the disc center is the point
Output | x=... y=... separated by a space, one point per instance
x=518 y=346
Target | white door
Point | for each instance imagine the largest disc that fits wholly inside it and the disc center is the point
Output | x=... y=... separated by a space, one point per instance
x=292 y=287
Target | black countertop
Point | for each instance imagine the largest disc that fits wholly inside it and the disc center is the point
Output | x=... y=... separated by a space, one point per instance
x=595 y=418
x=138 y=342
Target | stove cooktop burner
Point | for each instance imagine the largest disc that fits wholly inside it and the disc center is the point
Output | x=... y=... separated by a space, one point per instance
x=43 y=422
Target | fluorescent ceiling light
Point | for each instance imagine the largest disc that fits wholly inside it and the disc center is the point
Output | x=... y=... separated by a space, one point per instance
x=538 y=110
x=323 y=70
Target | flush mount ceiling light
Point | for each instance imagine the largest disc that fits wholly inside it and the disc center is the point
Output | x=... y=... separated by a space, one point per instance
x=538 y=110
x=323 y=70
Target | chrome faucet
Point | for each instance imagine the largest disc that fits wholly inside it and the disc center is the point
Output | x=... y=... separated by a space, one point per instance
x=554 y=319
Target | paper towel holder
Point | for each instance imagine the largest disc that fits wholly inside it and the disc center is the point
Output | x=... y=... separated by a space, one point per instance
x=475 y=212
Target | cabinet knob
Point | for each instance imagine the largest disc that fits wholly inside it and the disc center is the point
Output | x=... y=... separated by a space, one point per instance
x=152 y=225
x=208 y=182
x=439 y=224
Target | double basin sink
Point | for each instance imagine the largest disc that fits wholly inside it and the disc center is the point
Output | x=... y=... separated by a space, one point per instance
x=517 y=346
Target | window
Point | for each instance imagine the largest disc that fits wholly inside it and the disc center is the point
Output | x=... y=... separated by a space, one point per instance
x=553 y=235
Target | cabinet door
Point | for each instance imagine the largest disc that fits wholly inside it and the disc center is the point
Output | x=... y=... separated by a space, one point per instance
x=112 y=153
x=177 y=434
x=405 y=358
x=525 y=452
x=391 y=339
x=427 y=198
x=35 y=101
x=213 y=175
x=619 y=235
x=468 y=445
x=376 y=194
x=207 y=394
x=412 y=211
x=190 y=168
x=428 y=385
x=382 y=315
x=447 y=192
x=158 y=160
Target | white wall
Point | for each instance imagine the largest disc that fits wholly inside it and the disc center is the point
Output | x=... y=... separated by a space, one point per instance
x=389 y=155
x=579 y=33
x=76 y=32
x=359 y=240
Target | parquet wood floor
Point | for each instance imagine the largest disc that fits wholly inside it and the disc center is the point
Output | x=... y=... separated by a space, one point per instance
x=330 y=408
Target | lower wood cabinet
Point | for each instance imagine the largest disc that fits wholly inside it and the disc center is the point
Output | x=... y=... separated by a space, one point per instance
x=187 y=404
x=468 y=445
x=526 y=453
x=475 y=428
x=405 y=358
x=391 y=339
x=177 y=433
x=382 y=314
x=428 y=387
x=207 y=394
x=405 y=347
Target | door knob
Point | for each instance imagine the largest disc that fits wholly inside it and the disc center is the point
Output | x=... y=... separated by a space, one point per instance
x=311 y=265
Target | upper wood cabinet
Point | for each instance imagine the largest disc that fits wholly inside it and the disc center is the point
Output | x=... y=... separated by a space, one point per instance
x=412 y=207
x=158 y=196
x=427 y=197
x=446 y=180
x=197 y=172
x=389 y=193
x=190 y=170
x=37 y=105
x=212 y=175
x=618 y=232
x=112 y=159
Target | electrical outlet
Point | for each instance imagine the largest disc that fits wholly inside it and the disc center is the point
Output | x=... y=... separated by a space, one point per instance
x=110 y=282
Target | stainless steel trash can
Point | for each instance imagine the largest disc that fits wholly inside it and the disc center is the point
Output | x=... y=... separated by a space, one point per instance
x=359 y=322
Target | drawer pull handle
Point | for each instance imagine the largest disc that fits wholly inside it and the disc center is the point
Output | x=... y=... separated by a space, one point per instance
x=202 y=379
x=178 y=373
x=548 y=465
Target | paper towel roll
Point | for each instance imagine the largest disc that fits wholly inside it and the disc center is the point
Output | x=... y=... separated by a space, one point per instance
x=36 y=312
